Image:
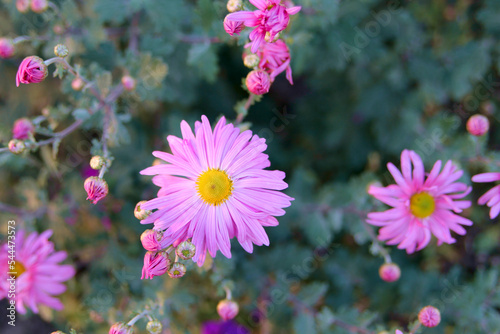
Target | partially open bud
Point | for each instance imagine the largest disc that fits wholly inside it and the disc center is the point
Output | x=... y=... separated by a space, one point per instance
x=234 y=5
x=258 y=82
x=6 y=48
x=97 y=162
x=31 y=70
x=16 y=146
x=128 y=83
x=61 y=50
x=23 y=5
x=140 y=213
x=429 y=316
x=233 y=27
x=185 y=250
x=177 y=270
x=227 y=309
x=155 y=264
x=23 y=129
x=96 y=188
x=154 y=327
x=251 y=61
x=268 y=39
x=478 y=125
x=389 y=272
x=77 y=84
x=121 y=328
x=150 y=240
x=39 y=6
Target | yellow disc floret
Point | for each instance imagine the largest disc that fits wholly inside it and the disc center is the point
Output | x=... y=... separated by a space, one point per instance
x=214 y=186
x=18 y=269
x=422 y=205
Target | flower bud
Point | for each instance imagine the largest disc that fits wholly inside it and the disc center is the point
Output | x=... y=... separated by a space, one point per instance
x=233 y=27
x=258 y=82
x=251 y=61
x=227 y=309
x=97 y=162
x=31 y=70
x=23 y=129
x=96 y=189
x=389 y=272
x=121 y=328
x=154 y=327
x=150 y=240
x=16 y=146
x=23 y=5
x=177 y=270
x=140 y=213
x=234 y=5
x=61 y=50
x=429 y=316
x=128 y=83
x=155 y=264
x=268 y=38
x=478 y=125
x=185 y=250
x=6 y=48
x=39 y=6
x=77 y=84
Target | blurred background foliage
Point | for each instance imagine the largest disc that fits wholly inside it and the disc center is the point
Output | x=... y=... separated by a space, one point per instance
x=372 y=77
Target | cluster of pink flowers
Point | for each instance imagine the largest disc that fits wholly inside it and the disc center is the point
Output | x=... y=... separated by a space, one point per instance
x=38 y=6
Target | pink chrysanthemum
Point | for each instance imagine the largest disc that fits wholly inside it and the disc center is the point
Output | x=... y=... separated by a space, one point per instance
x=492 y=197
x=258 y=82
x=271 y=17
x=214 y=188
x=39 y=274
x=31 y=70
x=421 y=206
x=274 y=59
x=233 y=27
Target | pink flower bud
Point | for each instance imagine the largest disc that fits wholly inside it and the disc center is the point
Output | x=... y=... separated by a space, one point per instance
x=31 y=70
x=227 y=309
x=478 y=125
x=23 y=5
x=389 y=272
x=16 y=146
x=177 y=270
x=96 y=189
x=429 y=316
x=128 y=83
x=258 y=82
x=39 y=6
x=22 y=129
x=155 y=264
x=185 y=250
x=121 y=328
x=150 y=240
x=6 y=48
x=398 y=331
x=233 y=27
x=77 y=84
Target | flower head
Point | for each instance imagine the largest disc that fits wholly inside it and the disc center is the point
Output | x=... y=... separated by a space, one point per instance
x=154 y=327
x=429 y=316
x=271 y=17
x=23 y=5
x=492 y=197
x=38 y=273
x=274 y=59
x=258 y=82
x=6 y=48
x=185 y=250
x=23 y=129
x=478 y=125
x=389 y=272
x=421 y=205
x=96 y=189
x=227 y=309
x=155 y=264
x=214 y=188
x=233 y=27
x=177 y=270
x=39 y=6
x=31 y=70
x=61 y=50
x=121 y=328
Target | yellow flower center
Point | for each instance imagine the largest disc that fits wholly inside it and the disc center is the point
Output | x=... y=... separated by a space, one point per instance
x=214 y=186
x=422 y=205
x=18 y=269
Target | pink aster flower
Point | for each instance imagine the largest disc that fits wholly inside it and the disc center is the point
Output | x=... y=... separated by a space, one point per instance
x=258 y=82
x=22 y=129
x=37 y=272
x=271 y=17
x=421 y=205
x=274 y=59
x=233 y=27
x=492 y=197
x=214 y=187
x=6 y=48
x=31 y=70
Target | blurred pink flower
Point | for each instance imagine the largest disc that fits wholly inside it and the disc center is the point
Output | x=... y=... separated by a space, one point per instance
x=22 y=129
x=96 y=189
x=421 y=206
x=429 y=316
x=39 y=6
x=492 y=197
x=128 y=83
x=214 y=188
x=258 y=82
x=6 y=48
x=23 y=5
x=478 y=125
x=389 y=272
x=155 y=264
x=274 y=59
x=271 y=17
x=31 y=70
x=233 y=27
x=398 y=331
x=39 y=274
x=227 y=309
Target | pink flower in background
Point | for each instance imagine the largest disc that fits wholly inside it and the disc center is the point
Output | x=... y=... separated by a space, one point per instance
x=39 y=274
x=398 y=331
x=39 y=6
x=6 y=48
x=429 y=316
x=233 y=27
x=214 y=187
x=258 y=82
x=492 y=197
x=389 y=272
x=271 y=17
x=421 y=206
x=31 y=70
x=274 y=59
x=478 y=125
x=22 y=129
x=23 y=5
x=227 y=309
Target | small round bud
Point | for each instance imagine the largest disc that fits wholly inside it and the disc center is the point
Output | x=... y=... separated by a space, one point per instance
x=39 y=6
x=140 y=213
x=77 y=84
x=23 y=129
x=97 y=162
x=128 y=83
x=150 y=240
x=258 y=82
x=389 y=272
x=155 y=264
x=61 y=50
x=268 y=38
x=234 y=5
x=251 y=61
x=185 y=250
x=429 y=316
x=6 y=48
x=23 y=5
x=121 y=328
x=177 y=270
x=154 y=327
x=16 y=146
x=478 y=125
x=96 y=188
x=227 y=309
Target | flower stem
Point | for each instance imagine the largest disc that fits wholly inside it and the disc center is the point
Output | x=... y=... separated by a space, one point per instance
x=137 y=317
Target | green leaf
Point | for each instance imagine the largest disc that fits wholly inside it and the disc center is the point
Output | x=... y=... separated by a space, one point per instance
x=312 y=293
x=203 y=57
x=304 y=323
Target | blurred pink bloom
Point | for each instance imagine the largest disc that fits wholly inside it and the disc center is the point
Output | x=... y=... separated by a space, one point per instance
x=23 y=5
x=271 y=17
x=233 y=27
x=155 y=264
x=258 y=82
x=96 y=189
x=6 y=48
x=227 y=309
x=389 y=272
x=39 y=6
x=121 y=328
x=398 y=331
x=478 y=125
x=429 y=316
x=128 y=83
x=421 y=206
x=274 y=59
x=22 y=129
x=492 y=197
x=214 y=187
x=39 y=274
x=31 y=70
